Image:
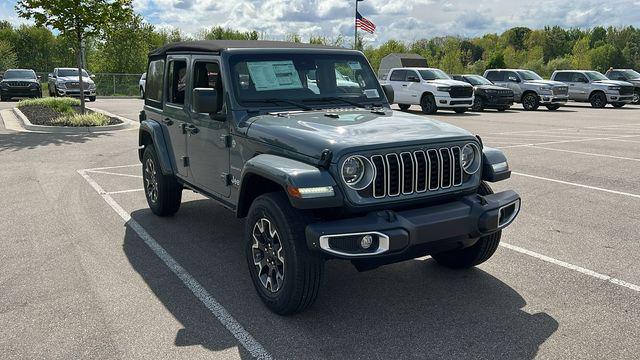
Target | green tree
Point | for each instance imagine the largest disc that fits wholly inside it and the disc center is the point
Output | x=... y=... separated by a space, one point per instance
x=606 y=56
x=516 y=37
x=80 y=19
x=8 y=57
x=496 y=61
x=220 y=33
x=581 y=58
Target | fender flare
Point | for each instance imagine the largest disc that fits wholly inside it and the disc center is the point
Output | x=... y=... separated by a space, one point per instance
x=494 y=165
x=150 y=129
x=287 y=173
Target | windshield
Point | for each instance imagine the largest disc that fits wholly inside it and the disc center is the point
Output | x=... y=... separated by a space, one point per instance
x=529 y=75
x=477 y=80
x=434 y=74
x=19 y=74
x=71 y=72
x=595 y=76
x=631 y=74
x=303 y=78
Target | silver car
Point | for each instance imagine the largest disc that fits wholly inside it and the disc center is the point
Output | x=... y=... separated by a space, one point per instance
x=595 y=88
x=529 y=88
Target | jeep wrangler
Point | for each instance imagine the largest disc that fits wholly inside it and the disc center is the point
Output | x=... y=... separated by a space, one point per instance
x=301 y=141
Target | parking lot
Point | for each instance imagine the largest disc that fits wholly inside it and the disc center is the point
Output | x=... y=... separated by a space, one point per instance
x=87 y=271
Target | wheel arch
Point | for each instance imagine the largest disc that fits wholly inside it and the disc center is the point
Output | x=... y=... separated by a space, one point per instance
x=593 y=92
x=527 y=92
x=150 y=133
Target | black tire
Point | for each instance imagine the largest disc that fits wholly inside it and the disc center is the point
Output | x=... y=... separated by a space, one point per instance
x=503 y=108
x=636 y=97
x=428 y=104
x=163 y=192
x=404 y=107
x=530 y=101
x=553 y=107
x=618 y=105
x=460 y=110
x=301 y=269
x=478 y=104
x=55 y=92
x=92 y=98
x=476 y=254
x=141 y=92
x=598 y=100
x=2 y=98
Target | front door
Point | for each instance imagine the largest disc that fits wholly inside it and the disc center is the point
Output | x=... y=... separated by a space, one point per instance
x=176 y=115
x=413 y=88
x=207 y=134
x=579 y=87
x=512 y=81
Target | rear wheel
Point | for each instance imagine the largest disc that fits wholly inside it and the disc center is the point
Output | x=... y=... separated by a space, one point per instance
x=163 y=192
x=553 y=107
x=428 y=104
x=284 y=272
x=476 y=254
x=530 y=101
x=598 y=100
x=636 y=97
x=4 y=98
x=618 y=105
x=460 y=110
x=503 y=108
x=478 y=104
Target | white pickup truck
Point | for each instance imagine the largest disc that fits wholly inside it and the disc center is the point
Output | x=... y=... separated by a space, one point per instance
x=430 y=88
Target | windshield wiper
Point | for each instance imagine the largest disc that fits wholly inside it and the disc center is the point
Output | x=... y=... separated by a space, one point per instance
x=274 y=101
x=336 y=98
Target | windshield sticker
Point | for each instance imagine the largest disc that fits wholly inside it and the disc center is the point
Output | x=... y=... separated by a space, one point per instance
x=355 y=65
x=371 y=93
x=274 y=75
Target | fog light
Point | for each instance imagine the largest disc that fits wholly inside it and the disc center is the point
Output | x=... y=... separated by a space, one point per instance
x=366 y=241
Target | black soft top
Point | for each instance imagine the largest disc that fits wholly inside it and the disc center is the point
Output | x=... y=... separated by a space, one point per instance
x=216 y=46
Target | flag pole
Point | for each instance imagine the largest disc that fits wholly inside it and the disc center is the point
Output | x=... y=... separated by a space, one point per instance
x=355 y=28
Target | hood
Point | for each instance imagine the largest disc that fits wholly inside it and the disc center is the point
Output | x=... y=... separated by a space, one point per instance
x=85 y=79
x=545 y=83
x=20 y=80
x=309 y=133
x=613 y=82
x=490 y=87
x=447 y=82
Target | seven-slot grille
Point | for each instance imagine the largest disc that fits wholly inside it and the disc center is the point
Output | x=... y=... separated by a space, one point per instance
x=626 y=90
x=562 y=90
x=461 y=91
x=18 y=83
x=505 y=93
x=416 y=172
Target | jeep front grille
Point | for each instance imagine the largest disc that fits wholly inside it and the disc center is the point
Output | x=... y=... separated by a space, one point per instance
x=416 y=172
x=461 y=91
x=18 y=83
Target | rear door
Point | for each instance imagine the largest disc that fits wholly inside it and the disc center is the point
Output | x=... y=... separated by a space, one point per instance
x=397 y=81
x=176 y=116
x=567 y=78
x=208 y=134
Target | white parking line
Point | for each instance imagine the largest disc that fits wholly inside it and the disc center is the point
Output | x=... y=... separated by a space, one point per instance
x=585 y=153
x=232 y=325
x=123 y=191
x=112 y=173
x=112 y=167
x=568 y=141
x=577 y=185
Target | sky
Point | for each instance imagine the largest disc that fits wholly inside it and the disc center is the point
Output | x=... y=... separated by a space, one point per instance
x=405 y=20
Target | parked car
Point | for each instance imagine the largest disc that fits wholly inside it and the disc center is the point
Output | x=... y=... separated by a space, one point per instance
x=19 y=83
x=595 y=88
x=628 y=75
x=430 y=88
x=142 y=83
x=66 y=82
x=329 y=175
x=486 y=94
x=529 y=88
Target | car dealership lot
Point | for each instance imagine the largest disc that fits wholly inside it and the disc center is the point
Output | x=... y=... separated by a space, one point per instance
x=88 y=271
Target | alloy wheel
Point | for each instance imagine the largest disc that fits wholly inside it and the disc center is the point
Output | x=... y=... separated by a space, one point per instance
x=529 y=102
x=151 y=180
x=636 y=97
x=268 y=255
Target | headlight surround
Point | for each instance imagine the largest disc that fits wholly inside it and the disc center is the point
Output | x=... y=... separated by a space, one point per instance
x=614 y=87
x=35 y=85
x=470 y=158
x=92 y=85
x=61 y=83
x=444 y=88
x=357 y=172
x=546 y=88
x=491 y=92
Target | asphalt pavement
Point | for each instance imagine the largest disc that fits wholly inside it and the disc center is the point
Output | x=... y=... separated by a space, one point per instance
x=87 y=271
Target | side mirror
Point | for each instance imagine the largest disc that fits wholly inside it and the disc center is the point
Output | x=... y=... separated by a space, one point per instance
x=413 y=79
x=39 y=77
x=205 y=100
x=51 y=76
x=514 y=79
x=584 y=80
x=92 y=76
x=388 y=92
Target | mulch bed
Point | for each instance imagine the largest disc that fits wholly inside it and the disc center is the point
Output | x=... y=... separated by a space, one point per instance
x=44 y=115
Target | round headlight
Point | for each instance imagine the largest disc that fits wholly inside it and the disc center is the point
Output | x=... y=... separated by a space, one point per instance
x=357 y=172
x=470 y=158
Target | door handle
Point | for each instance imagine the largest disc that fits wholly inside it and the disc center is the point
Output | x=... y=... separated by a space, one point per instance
x=572 y=84
x=167 y=121
x=404 y=85
x=192 y=129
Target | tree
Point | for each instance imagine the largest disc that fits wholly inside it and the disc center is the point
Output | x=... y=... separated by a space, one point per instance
x=79 y=19
x=581 y=58
x=8 y=58
x=496 y=61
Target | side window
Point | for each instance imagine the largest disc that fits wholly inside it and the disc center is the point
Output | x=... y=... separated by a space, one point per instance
x=510 y=75
x=578 y=77
x=398 y=75
x=411 y=76
x=563 y=76
x=155 y=76
x=617 y=75
x=177 y=82
x=207 y=75
x=495 y=76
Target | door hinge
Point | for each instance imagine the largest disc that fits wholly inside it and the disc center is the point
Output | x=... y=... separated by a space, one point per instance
x=226 y=178
x=226 y=140
x=185 y=161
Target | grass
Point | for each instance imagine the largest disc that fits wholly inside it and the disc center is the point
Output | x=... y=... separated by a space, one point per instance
x=61 y=105
x=89 y=119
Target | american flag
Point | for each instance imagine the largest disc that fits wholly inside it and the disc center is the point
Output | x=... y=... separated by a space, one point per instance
x=364 y=24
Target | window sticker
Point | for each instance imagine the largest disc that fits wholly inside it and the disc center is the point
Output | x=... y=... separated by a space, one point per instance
x=371 y=93
x=355 y=65
x=274 y=75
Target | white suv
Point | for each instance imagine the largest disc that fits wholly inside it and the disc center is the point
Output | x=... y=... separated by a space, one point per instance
x=432 y=89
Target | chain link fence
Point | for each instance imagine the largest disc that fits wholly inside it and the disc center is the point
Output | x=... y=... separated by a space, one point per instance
x=107 y=84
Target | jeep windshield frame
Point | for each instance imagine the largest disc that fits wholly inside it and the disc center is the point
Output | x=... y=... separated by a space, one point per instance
x=319 y=78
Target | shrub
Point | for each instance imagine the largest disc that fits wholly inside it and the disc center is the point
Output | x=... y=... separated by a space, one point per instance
x=61 y=105
x=90 y=119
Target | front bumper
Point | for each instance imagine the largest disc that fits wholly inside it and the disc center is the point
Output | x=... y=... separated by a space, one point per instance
x=416 y=232
x=499 y=101
x=20 y=91
x=546 y=99
x=76 y=92
x=449 y=102
x=617 y=98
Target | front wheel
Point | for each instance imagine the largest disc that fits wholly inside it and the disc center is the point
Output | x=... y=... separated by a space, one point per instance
x=428 y=104
x=503 y=108
x=636 y=97
x=530 y=102
x=553 y=107
x=478 y=104
x=404 y=107
x=598 y=100
x=460 y=110
x=473 y=255
x=284 y=272
x=141 y=92
x=163 y=192
x=92 y=98
x=618 y=105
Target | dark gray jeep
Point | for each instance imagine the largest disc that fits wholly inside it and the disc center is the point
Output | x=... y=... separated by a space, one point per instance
x=300 y=140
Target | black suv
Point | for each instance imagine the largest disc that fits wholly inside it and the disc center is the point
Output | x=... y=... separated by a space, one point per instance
x=20 y=83
x=628 y=75
x=300 y=140
x=486 y=94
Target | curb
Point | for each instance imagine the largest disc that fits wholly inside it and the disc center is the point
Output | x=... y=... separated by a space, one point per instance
x=125 y=125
